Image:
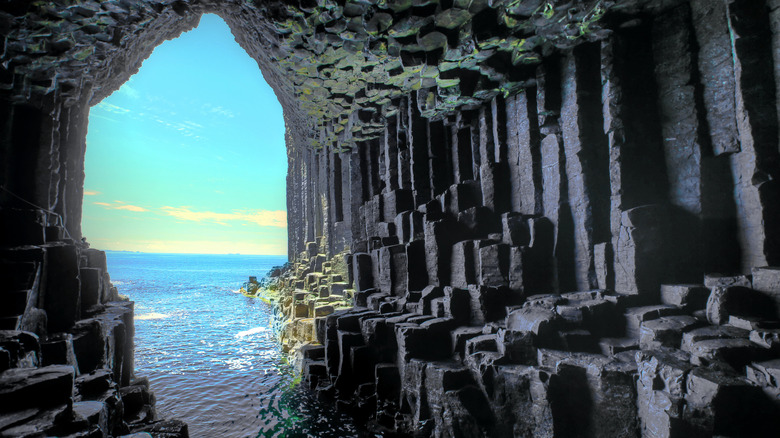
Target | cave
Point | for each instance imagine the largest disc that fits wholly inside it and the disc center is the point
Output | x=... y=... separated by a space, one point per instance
x=550 y=218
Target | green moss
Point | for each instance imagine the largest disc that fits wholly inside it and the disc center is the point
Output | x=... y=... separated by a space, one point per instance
x=452 y=18
x=548 y=10
x=432 y=41
x=397 y=5
x=594 y=15
x=84 y=53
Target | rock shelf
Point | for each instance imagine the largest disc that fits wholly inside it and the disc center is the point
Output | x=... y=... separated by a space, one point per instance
x=553 y=218
x=460 y=362
x=305 y=292
x=66 y=346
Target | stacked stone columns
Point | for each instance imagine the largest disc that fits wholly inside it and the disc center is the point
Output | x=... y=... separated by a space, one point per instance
x=577 y=238
x=538 y=204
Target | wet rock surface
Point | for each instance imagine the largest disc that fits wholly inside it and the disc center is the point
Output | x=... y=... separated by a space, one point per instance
x=546 y=365
x=75 y=377
x=552 y=218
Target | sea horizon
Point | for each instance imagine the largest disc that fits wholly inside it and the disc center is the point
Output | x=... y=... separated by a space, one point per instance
x=191 y=253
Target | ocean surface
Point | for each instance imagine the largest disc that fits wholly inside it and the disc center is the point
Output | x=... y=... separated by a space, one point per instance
x=210 y=353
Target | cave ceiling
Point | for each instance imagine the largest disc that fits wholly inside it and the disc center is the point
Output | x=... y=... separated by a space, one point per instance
x=337 y=67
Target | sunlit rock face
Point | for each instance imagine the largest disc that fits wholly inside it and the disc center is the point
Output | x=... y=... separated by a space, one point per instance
x=559 y=218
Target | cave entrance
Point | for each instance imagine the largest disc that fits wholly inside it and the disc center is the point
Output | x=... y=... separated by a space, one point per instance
x=188 y=156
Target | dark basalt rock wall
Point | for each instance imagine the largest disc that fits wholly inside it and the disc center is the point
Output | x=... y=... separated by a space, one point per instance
x=562 y=218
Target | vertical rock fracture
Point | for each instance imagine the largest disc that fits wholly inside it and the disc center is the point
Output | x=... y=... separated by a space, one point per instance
x=552 y=218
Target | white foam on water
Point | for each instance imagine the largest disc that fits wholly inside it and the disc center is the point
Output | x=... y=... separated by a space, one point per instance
x=252 y=331
x=152 y=315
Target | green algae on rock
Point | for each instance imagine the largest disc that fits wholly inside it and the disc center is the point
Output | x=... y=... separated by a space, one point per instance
x=325 y=40
x=303 y=293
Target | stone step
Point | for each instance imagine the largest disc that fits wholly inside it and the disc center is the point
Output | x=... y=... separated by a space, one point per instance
x=138 y=403
x=711 y=332
x=578 y=340
x=737 y=352
x=163 y=428
x=690 y=296
x=767 y=338
x=94 y=385
x=635 y=316
x=665 y=331
x=93 y=413
x=58 y=350
x=613 y=346
x=35 y=422
x=22 y=388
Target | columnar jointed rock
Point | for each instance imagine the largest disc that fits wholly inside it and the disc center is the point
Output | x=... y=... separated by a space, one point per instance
x=74 y=375
x=310 y=289
x=464 y=172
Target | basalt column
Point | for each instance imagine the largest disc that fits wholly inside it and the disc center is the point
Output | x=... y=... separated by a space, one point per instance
x=553 y=218
x=584 y=236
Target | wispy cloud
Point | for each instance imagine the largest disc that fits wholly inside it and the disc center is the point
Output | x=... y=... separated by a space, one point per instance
x=263 y=218
x=129 y=91
x=260 y=246
x=91 y=193
x=185 y=128
x=220 y=110
x=130 y=208
x=119 y=205
x=112 y=108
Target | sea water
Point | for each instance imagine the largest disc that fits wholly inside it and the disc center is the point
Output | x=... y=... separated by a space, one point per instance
x=210 y=353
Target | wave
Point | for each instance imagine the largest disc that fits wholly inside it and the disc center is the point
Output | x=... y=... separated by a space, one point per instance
x=252 y=331
x=152 y=315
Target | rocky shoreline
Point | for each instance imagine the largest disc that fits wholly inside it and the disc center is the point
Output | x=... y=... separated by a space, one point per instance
x=302 y=293
x=698 y=360
x=66 y=349
x=536 y=196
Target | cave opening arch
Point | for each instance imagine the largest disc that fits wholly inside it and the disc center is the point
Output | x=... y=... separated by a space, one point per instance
x=188 y=155
x=46 y=135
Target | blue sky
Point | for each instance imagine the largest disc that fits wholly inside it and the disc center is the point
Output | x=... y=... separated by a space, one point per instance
x=189 y=155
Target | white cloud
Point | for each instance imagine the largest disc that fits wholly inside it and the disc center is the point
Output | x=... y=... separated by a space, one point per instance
x=263 y=218
x=209 y=109
x=263 y=246
x=129 y=91
x=119 y=205
x=91 y=193
x=130 y=208
x=114 y=109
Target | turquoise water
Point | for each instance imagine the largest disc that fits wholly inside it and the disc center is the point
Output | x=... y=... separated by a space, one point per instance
x=210 y=353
